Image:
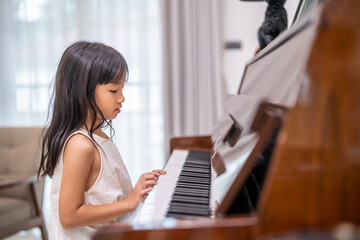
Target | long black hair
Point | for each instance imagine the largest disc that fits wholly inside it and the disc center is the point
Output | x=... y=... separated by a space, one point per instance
x=82 y=67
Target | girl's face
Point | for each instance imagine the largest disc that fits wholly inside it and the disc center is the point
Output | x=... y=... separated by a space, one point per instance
x=109 y=98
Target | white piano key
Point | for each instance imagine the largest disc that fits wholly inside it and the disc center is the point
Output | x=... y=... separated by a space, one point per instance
x=156 y=204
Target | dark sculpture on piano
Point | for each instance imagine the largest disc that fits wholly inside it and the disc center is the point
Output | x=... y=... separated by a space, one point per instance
x=275 y=22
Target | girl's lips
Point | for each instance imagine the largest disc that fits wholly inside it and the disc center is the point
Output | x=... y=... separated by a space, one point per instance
x=118 y=110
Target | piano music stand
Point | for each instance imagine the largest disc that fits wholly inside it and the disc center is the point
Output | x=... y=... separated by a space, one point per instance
x=267 y=120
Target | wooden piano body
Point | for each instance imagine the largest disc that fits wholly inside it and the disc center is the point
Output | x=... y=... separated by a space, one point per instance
x=313 y=181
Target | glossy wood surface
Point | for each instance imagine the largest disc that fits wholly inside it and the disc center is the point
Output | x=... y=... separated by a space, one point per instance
x=196 y=229
x=315 y=176
x=194 y=142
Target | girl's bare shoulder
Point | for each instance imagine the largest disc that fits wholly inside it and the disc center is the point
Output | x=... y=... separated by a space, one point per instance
x=79 y=145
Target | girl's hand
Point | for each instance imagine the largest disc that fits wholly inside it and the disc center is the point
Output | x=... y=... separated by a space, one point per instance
x=158 y=172
x=141 y=189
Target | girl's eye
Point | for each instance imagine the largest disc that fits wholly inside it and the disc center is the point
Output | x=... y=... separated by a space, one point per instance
x=113 y=91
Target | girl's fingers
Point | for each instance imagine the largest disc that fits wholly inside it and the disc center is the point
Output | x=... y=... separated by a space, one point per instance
x=150 y=182
x=146 y=176
x=150 y=176
x=145 y=191
x=155 y=173
x=158 y=172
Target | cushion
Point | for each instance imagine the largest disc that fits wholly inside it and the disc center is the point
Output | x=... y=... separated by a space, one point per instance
x=19 y=149
x=13 y=210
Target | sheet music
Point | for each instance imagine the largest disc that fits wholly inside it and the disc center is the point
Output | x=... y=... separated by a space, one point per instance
x=238 y=155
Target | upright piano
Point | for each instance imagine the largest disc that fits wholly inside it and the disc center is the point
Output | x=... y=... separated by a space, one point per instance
x=286 y=157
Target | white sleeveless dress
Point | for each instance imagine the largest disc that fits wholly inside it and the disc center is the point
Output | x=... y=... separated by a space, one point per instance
x=112 y=184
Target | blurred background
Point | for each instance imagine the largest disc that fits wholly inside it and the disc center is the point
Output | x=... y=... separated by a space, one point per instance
x=153 y=36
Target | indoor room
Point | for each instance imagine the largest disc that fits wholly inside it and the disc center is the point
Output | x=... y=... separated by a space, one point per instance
x=179 y=119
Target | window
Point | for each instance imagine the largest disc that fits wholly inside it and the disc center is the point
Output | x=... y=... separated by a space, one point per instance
x=36 y=32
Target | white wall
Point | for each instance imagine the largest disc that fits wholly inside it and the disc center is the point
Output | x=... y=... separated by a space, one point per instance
x=241 y=21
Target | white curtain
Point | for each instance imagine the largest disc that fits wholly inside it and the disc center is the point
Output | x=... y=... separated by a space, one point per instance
x=193 y=86
x=34 y=34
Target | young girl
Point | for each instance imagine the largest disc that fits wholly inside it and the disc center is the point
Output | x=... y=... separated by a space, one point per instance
x=90 y=183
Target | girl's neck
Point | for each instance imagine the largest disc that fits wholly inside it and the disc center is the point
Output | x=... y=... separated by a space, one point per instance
x=98 y=131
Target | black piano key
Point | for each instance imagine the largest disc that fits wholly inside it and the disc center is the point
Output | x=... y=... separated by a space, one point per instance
x=190 y=210
x=192 y=185
x=181 y=204
x=195 y=174
x=192 y=192
x=205 y=192
x=204 y=183
x=196 y=170
x=190 y=199
x=194 y=179
x=179 y=215
x=200 y=154
x=197 y=164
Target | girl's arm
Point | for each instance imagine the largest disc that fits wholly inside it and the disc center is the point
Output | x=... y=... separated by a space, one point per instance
x=80 y=155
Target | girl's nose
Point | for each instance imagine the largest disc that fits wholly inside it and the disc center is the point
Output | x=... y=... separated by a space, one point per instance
x=121 y=99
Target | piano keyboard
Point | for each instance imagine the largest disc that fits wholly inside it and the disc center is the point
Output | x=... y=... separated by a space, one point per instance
x=183 y=191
